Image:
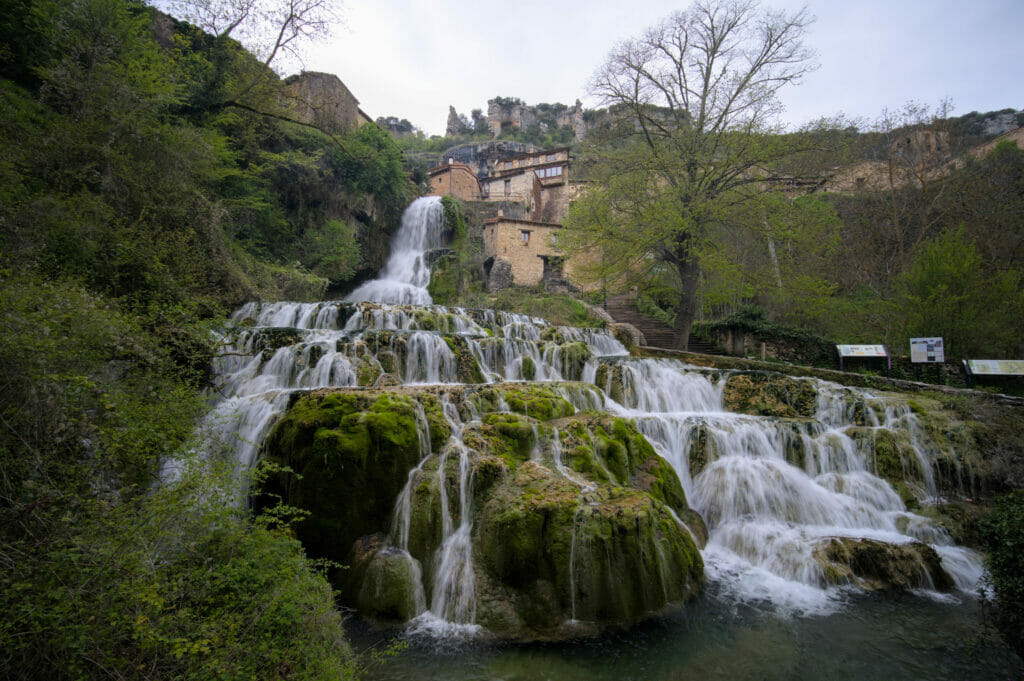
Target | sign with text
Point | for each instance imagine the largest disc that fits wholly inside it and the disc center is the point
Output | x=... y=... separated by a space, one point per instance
x=927 y=350
x=862 y=351
x=996 y=367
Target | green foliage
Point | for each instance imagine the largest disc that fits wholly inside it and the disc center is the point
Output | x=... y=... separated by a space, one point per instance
x=168 y=586
x=137 y=203
x=949 y=292
x=1003 y=534
x=556 y=308
x=333 y=249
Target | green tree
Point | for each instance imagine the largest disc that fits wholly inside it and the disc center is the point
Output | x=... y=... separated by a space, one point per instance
x=691 y=101
x=948 y=291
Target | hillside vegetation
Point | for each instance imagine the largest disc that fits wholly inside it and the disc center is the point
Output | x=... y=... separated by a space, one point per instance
x=141 y=199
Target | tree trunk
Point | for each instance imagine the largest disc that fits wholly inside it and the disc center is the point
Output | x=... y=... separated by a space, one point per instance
x=689 y=274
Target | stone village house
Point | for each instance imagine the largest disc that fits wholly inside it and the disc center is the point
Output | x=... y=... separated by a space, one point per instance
x=519 y=251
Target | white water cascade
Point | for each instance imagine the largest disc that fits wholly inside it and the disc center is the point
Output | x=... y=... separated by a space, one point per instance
x=769 y=489
x=405 y=277
x=766 y=510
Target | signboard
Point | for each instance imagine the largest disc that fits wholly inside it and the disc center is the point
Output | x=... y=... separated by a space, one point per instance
x=927 y=351
x=996 y=367
x=862 y=351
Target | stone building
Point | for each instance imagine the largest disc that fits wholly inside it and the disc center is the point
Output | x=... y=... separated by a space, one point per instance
x=482 y=157
x=529 y=248
x=538 y=179
x=322 y=100
x=454 y=179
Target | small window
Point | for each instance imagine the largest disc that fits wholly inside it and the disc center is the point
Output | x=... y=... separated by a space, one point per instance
x=551 y=157
x=524 y=236
x=508 y=187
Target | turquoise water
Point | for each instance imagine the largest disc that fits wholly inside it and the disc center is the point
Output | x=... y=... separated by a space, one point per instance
x=899 y=636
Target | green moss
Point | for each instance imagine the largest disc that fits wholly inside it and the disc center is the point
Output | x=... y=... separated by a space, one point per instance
x=769 y=394
x=368 y=371
x=874 y=564
x=574 y=357
x=352 y=453
x=516 y=430
x=529 y=369
x=551 y=333
x=541 y=402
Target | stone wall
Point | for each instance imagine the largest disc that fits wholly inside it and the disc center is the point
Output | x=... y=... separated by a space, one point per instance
x=504 y=238
x=520 y=187
x=322 y=100
x=456 y=179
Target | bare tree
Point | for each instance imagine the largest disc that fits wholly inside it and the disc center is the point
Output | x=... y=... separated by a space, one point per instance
x=273 y=30
x=694 y=98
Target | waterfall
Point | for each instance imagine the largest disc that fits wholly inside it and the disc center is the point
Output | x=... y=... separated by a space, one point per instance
x=453 y=601
x=770 y=490
x=405 y=277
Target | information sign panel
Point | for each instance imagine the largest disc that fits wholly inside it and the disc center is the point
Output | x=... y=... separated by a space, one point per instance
x=927 y=351
x=862 y=351
x=997 y=367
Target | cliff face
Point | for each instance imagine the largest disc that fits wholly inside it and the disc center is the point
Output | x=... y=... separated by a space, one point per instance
x=321 y=99
x=505 y=115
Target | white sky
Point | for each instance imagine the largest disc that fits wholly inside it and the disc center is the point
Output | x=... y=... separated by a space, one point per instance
x=412 y=58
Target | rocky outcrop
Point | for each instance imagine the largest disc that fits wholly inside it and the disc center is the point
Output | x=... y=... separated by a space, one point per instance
x=769 y=394
x=876 y=565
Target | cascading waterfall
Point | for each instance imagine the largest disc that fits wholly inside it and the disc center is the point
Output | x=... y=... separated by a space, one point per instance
x=453 y=601
x=769 y=489
x=405 y=277
x=766 y=513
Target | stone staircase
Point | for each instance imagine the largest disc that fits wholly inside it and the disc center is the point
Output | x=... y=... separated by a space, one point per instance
x=622 y=309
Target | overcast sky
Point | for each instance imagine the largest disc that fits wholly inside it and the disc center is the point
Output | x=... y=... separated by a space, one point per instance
x=412 y=58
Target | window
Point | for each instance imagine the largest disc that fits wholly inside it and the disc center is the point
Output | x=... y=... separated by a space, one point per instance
x=508 y=187
x=524 y=236
x=551 y=157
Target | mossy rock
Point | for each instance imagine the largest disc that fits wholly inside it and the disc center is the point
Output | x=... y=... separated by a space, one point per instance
x=552 y=334
x=894 y=459
x=519 y=432
x=269 y=340
x=877 y=565
x=547 y=554
x=539 y=401
x=608 y=378
x=574 y=357
x=384 y=582
x=528 y=368
x=368 y=371
x=769 y=394
x=351 y=453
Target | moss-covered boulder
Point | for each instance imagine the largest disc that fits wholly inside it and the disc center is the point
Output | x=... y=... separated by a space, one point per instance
x=349 y=453
x=550 y=557
x=769 y=394
x=385 y=583
x=876 y=565
x=574 y=516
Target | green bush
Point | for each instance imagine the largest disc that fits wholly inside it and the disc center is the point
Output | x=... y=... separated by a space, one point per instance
x=1003 y=535
x=170 y=585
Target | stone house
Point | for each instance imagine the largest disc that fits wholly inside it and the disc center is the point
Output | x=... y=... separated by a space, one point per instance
x=538 y=179
x=454 y=179
x=322 y=100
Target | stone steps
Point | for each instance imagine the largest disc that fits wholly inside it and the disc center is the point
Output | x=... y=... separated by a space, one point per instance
x=657 y=334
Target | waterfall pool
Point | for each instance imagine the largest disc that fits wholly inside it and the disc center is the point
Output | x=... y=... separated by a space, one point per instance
x=870 y=637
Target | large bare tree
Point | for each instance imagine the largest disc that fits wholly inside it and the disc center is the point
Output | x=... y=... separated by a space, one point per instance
x=692 y=101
